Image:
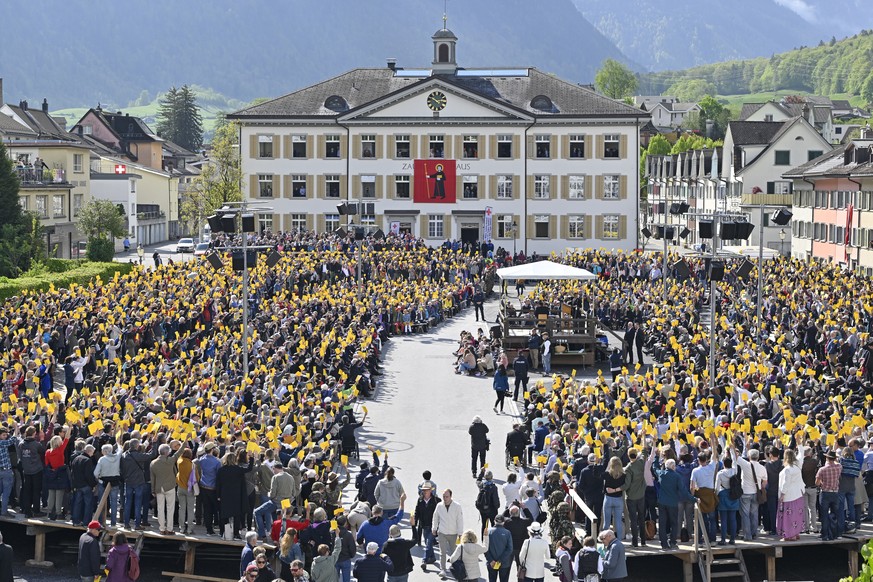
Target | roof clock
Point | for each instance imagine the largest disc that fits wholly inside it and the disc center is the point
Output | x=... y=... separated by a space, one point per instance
x=436 y=101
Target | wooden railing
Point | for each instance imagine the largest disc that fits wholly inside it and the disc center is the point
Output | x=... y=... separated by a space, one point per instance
x=701 y=541
x=586 y=510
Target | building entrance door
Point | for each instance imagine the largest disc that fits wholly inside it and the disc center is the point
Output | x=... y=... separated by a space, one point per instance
x=469 y=233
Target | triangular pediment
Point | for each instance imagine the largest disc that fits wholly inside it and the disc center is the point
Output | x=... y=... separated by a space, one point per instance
x=435 y=98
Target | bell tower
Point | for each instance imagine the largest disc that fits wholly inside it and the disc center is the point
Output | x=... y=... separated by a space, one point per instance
x=444 y=41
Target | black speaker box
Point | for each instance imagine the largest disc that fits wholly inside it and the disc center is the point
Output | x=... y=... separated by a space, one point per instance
x=745 y=269
x=248 y=222
x=680 y=269
x=228 y=222
x=359 y=233
x=728 y=231
x=646 y=232
x=273 y=259
x=237 y=260
x=716 y=271
x=215 y=260
x=744 y=230
x=684 y=233
x=704 y=229
x=214 y=223
x=781 y=217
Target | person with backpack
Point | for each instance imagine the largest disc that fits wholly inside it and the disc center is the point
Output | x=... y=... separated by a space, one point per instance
x=479 y=443
x=589 y=564
x=122 y=561
x=729 y=487
x=487 y=500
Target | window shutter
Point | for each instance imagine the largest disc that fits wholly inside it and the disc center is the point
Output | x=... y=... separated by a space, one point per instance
x=480 y=146
x=356 y=147
x=310 y=186
x=392 y=190
x=447 y=226
x=622 y=187
x=622 y=227
x=530 y=231
x=492 y=186
x=553 y=183
x=276 y=186
x=277 y=152
x=598 y=192
x=412 y=187
x=565 y=147
x=492 y=148
x=589 y=185
x=320 y=224
x=459 y=146
x=356 y=187
x=277 y=222
x=553 y=226
x=253 y=147
x=565 y=227
x=344 y=144
x=516 y=147
x=622 y=146
x=516 y=232
x=392 y=146
x=253 y=186
x=310 y=147
x=309 y=221
x=598 y=228
x=379 y=144
x=322 y=148
x=531 y=147
x=586 y=228
x=321 y=191
x=286 y=179
x=286 y=142
x=480 y=186
x=459 y=187
x=586 y=147
x=565 y=187
x=413 y=147
x=598 y=148
x=516 y=188
x=447 y=147
x=379 y=222
x=553 y=147
x=425 y=145
x=344 y=187
x=380 y=193
x=422 y=226
x=530 y=187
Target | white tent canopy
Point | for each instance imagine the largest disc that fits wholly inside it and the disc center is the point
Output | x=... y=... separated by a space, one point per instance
x=544 y=271
x=751 y=251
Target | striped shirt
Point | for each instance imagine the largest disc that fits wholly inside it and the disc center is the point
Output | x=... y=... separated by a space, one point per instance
x=829 y=477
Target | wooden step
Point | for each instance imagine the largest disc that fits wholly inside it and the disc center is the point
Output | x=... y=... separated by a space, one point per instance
x=727 y=574
x=725 y=561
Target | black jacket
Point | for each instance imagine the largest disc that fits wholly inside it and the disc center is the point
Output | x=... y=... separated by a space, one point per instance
x=89 y=555
x=520 y=367
x=517 y=527
x=5 y=563
x=398 y=550
x=478 y=437
x=516 y=442
x=424 y=512
x=82 y=470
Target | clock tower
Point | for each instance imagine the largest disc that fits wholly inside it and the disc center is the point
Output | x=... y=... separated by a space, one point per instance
x=444 y=41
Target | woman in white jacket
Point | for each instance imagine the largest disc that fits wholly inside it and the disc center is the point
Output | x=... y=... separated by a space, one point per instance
x=789 y=515
x=469 y=550
x=534 y=553
x=108 y=472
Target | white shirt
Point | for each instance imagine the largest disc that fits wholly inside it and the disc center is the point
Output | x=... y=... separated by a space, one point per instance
x=448 y=520
x=534 y=553
x=791 y=485
x=748 y=478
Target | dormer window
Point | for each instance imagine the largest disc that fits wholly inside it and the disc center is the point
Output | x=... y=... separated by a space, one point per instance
x=541 y=103
x=336 y=103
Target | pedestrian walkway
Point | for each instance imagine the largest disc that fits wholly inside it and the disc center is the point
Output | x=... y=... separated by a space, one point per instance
x=421 y=413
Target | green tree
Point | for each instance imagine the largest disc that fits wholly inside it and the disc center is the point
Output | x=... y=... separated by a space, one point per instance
x=101 y=222
x=691 y=90
x=615 y=80
x=16 y=245
x=179 y=118
x=867 y=89
x=219 y=179
x=658 y=146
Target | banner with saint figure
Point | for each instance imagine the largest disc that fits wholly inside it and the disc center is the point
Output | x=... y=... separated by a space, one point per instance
x=434 y=181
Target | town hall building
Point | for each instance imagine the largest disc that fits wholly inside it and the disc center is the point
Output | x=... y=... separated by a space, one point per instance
x=517 y=156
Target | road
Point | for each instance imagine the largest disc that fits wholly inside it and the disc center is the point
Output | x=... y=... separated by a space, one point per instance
x=166 y=249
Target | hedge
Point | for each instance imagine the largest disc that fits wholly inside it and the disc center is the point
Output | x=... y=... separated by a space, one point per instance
x=79 y=272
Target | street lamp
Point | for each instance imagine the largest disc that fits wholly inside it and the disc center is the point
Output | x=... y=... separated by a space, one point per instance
x=781 y=241
x=514 y=238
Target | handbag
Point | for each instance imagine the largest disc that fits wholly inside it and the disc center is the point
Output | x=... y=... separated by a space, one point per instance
x=522 y=570
x=760 y=494
x=459 y=571
x=651 y=529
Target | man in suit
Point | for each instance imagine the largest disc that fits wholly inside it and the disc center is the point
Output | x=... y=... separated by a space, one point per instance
x=639 y=340
x=629 y=343
x=517 y=526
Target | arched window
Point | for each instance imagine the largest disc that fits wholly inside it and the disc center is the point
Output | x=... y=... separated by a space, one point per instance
x=443 y=53
x=336 y=103
x=541 y=102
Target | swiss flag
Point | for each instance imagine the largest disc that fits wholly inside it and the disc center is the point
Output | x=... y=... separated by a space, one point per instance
x=120 y=169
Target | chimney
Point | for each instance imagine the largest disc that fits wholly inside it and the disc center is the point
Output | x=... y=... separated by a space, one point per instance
x=392 y=64
x=45 y=105
x=23 y=104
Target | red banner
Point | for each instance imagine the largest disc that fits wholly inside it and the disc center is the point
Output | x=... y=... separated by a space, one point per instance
x=434 y=181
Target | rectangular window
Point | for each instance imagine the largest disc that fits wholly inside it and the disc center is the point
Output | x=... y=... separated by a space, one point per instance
x=332 y=186
x=368 y=219
x=298 y=186
x=42 y=206
x=77 y=203
x=58 y=206
x=576 y=226
x=471 y=146
x=401 y=187
x=783 y=158
x=265 y=222
x=437 y=146
x=132 y=184
x=368 y=186
x=298 y=146
x=768 y=117
x=331 y=222
x=541 y=226
x=435 y=226
x=504 y=187
x=610 y=226
x=541 y=187
x=813 y=154
x=782 y=187
x=265 y=185
x=504 y=147
x=298 y=222
x=78 y=161
x=610 y=187
x=22 y=201
x=331 y=146
x=577 y=188
x=504 y=226
x=543 y=146
x=265 y=146
x=368 y=146
x=577 y=146
x=471 y=187
x=611 y=143
x=402 y=148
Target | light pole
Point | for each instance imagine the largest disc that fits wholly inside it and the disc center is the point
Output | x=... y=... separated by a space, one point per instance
x=781 y=241
x=514 y=239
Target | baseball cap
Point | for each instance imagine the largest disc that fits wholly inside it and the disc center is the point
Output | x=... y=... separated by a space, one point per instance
x=94 y=524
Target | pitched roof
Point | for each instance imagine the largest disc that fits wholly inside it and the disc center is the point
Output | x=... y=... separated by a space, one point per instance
x=41 y=123
x=754 y=132
x=361 y=87
x=748 y=109
x=8 y=125
x=824 y=160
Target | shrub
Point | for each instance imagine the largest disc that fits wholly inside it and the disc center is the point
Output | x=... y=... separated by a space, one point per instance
x=81 y=274
x=100 y=250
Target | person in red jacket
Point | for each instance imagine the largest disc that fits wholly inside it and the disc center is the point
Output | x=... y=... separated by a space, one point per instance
x=276 y=531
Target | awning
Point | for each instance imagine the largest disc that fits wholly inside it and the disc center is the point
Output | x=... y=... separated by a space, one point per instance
x=545 y=271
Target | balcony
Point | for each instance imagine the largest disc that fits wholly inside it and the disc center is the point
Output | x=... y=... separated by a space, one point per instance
x=29 y=176
x=151 y=215
x=767 y=199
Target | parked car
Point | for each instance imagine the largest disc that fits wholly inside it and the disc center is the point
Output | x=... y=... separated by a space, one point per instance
x=201 y=249
x=185 y=245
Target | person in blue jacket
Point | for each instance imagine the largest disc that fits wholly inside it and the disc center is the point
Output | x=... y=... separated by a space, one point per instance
x=501 y=386
x=498 y=556
x=671 y=491
x=373 y=567
x=376 y=528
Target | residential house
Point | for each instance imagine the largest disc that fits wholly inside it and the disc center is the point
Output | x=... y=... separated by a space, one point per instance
x=667 y=116
x=817 y=110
